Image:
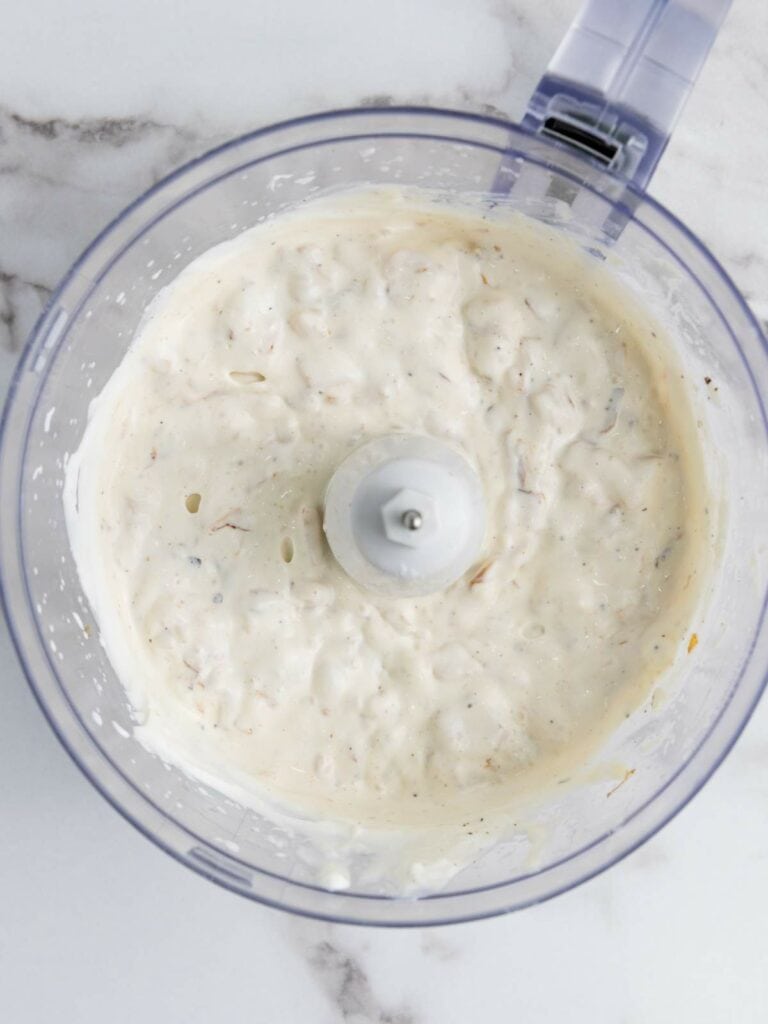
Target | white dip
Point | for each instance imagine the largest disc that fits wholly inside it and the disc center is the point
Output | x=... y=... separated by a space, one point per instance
x=195 y=510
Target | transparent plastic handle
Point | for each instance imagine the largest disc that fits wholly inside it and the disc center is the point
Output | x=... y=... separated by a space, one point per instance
x=620 y=78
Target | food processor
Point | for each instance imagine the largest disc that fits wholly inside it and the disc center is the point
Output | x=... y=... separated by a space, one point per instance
x=580 y=162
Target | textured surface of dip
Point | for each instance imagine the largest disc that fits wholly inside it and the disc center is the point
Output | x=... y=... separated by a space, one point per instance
x=195 y=511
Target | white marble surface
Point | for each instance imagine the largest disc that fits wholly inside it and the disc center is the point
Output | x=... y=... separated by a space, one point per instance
x=97 y=100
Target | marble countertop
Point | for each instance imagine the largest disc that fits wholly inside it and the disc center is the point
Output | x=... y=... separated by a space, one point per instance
x=98 y=99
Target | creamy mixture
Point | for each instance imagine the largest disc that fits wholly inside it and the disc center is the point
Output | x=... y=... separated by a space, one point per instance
x=195 y=508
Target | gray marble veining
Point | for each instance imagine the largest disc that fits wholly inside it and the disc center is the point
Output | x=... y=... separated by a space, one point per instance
x=343 y=978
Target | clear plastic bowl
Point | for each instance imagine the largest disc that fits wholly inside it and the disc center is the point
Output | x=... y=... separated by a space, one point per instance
x=81 y=339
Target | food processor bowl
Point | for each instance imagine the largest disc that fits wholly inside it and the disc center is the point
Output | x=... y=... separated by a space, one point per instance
x=669 y=746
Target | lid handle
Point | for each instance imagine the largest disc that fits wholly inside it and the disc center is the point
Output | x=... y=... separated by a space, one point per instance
x=618 y=81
